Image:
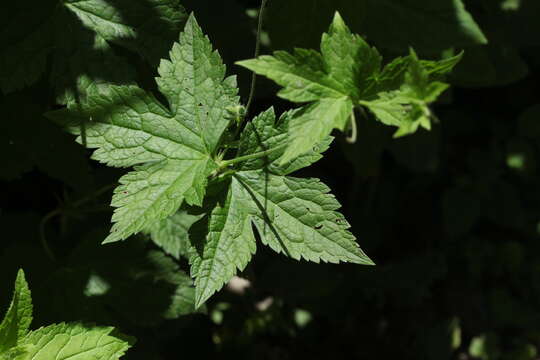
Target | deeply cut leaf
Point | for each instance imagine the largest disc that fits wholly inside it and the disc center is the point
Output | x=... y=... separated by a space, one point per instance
x=408 y=107
x=329 y=79
x=299 y=218
x=174 y=148
x=296 y=217
x=348 y=74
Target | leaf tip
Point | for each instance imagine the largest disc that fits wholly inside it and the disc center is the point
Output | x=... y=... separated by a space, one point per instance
x=338 y=21
x=112 y=238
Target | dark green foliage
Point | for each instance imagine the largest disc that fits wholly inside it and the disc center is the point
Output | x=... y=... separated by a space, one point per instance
x=451 y=216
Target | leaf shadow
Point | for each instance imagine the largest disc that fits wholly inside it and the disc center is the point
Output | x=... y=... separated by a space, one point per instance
x=263 y=207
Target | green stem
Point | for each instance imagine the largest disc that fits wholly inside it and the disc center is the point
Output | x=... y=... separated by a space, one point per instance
x=257 y=51
x=354 y=130
x=226 y=163
x=42 y=236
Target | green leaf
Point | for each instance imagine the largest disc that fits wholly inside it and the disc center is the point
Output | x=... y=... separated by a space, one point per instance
x=314 y=123
x=330 y=79
x=442 y=67
x=127 y=281
x=228 y=246
x=408 y=107
x=173 y=149
x=171 y=234
x=298 y=217
x=347 y=73
x=293 y=216
x=73 y=340
x=18 y=318
x=264 y=133
x=148 y=27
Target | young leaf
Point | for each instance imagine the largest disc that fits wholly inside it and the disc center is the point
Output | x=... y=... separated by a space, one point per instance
x=173 y=149
x=408 y=107
x=73 y=340
x=17 y=320
x=329 y=79
x=346 y=74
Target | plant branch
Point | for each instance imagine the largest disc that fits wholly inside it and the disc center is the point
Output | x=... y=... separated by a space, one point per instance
x=226 y=163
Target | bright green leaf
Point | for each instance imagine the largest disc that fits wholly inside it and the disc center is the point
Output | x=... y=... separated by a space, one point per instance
x=69 y=341
x=346 y=74
x=298 y=217
x=173 y=149
x=314 y=123
x=408 y=107
x=264 y=133
x=331 y=79
x=18 y=317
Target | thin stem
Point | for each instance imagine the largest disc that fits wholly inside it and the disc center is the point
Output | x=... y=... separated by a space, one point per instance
x=226 y=163
x=58 y=212
x=42 y=236
x=354 y=130
x=257 y=51
x=94 y=195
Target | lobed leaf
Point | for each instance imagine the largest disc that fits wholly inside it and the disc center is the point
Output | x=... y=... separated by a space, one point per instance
x=299 y=218
x=172 y=148
x=348 y=73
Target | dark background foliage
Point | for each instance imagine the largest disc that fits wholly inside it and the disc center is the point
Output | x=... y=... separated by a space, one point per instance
x=451 y=216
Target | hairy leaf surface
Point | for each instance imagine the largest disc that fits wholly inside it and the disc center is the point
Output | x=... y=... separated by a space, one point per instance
x=173 y=149
x=228 y=246
x=265 y=133
x=73 y=341
x=298 y=217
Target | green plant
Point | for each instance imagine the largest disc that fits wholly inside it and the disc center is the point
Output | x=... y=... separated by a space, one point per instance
x=180 y=152
x=58 y=341
x=439 y=183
